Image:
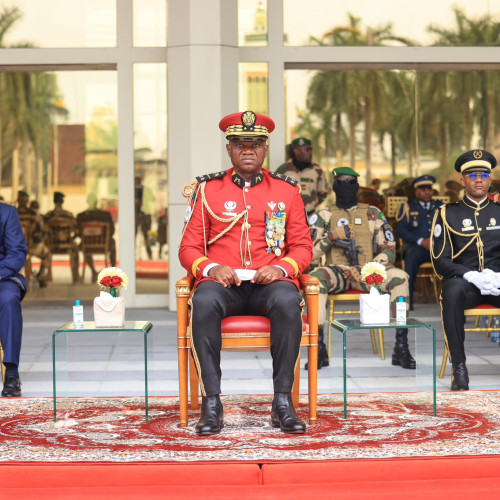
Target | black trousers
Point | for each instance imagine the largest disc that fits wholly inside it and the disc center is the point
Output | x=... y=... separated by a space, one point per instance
x=457 y=295
x=279 y=301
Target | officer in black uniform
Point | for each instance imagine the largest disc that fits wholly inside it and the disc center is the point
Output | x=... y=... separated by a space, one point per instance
x=465 y=252
x=414 y=227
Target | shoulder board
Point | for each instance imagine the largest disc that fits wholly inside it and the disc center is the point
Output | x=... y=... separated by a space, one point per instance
x=209 y=177
x=283 y=178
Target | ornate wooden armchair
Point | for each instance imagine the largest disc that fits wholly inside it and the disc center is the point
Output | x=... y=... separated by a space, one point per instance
x=95 y=240
x=61 y=232
x=246 y=333
x=480 y=310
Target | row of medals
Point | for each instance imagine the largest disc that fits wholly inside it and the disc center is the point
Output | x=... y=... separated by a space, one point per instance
x=275 y=229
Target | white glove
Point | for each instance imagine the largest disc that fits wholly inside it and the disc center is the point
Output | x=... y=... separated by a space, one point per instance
x=495 y=277
x=483 y=281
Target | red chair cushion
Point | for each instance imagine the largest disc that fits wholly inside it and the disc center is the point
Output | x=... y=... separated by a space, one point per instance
x=253 y=324
x=351 y=291
x=484 y=306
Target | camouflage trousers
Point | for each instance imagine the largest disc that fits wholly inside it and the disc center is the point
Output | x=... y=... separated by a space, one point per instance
x=338 y=279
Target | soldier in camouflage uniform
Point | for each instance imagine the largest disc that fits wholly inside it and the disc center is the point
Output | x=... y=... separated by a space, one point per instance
x=310 y=176
x=36 y=245
x=331 y=230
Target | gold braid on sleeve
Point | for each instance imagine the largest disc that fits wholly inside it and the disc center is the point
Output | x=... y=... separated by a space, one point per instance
x=228 y=220
x=449 y=230
x=406 y=213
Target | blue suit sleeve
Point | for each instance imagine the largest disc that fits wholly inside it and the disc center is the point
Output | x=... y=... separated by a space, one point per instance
x=13 y=246
x=404 y=228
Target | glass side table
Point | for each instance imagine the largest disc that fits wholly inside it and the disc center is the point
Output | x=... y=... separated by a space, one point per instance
x=425 y=351
x=60 y=346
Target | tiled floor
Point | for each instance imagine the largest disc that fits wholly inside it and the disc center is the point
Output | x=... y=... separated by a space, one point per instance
x=112 y=364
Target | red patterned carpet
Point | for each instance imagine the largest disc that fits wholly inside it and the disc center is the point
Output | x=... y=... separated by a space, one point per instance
x=378 y=426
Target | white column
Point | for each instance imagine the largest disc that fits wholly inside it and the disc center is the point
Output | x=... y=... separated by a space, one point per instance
x=276 y=83
x=202 y=88
x=126 y=152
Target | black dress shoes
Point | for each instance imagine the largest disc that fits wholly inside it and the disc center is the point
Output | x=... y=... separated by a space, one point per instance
x=459 y=377
x=283 y=414
x=401 y=356
x=11 y=387
x=212 y=416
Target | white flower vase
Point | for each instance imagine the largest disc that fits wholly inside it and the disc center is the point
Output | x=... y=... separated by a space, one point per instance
x=109 y=311
x=374 y=308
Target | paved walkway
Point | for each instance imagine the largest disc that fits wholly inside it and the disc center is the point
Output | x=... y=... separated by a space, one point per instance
x=112 y=364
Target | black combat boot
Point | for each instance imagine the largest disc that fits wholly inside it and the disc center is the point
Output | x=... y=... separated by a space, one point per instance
x=212 y=413
x=459 y=377
x=401 y=355
x=283 y=414
x=322 y=351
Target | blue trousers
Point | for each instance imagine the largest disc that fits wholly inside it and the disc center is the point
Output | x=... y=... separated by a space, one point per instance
x=414 y=256
x=279 y=301
x=11 y=328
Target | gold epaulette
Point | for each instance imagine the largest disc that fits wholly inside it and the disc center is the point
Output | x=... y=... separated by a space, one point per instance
x=283 y=178
x=209 y=177
x=189 y=189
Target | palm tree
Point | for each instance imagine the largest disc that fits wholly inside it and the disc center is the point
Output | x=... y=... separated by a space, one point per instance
x=26 y=103
x=476 y=91
x=364 y=90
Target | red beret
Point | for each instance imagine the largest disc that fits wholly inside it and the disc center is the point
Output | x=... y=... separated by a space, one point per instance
x=247 y=124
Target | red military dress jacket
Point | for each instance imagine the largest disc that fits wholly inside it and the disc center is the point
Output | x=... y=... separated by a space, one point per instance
x=246 y=227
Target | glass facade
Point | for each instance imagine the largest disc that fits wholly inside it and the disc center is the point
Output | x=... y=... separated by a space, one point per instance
x=252 y=22
x=393 y=125
x=150 y=23
x=391 y=22
x=59 y=23
x=150 y=177
x=393 y=94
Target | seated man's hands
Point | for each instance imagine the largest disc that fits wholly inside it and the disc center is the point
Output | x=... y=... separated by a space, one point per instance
x=495 y=277
x=340 y=233
x=484 y=281
x=353 y=273
x=267 y=274
x=225 y=275
x=426 y=243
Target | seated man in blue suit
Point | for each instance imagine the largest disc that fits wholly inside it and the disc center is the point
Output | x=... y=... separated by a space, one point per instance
x=13 y=287
x=414 y=227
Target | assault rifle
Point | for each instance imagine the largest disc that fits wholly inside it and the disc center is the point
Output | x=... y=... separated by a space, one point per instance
x=351 y=251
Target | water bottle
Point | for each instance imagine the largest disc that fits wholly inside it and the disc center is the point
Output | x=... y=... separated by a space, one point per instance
x=78 y=323
x=495 y=334
x=401 y=311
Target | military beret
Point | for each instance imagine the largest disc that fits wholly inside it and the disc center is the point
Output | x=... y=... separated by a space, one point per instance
x=337 y=172
x=477 y=159
x=423 y=180
x=23 y=193
x=300 y=141
x=58 y=197
x=246 y=126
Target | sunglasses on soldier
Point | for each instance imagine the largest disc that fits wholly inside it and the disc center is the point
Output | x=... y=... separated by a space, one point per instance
x=346 y=180
x=475 y=175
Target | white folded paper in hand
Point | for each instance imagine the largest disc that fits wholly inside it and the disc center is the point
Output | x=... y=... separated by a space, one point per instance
x=374 y=308
x=245 y=274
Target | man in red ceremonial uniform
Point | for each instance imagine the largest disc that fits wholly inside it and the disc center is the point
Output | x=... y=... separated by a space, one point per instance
x=246 y=240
